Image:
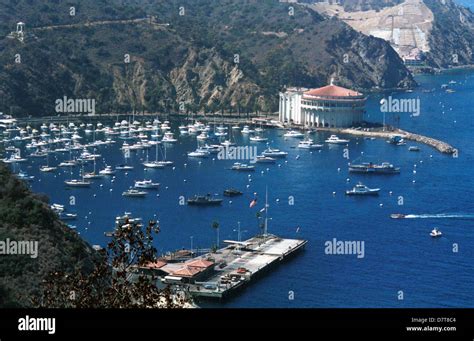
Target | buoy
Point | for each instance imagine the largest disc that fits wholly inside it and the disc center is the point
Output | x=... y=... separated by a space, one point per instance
x=333 y=193
x=174 y=168
x=110 y=190
x=348 y=179
x=339 y=169
x=381 y=205
x=230 y=202
x=414 y=171
x=390 y=192
x=277 y=200
x=185 y=180
x=166 y=187
x=248 y=186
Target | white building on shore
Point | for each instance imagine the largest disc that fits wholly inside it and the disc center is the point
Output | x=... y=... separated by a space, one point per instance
x=330 y=106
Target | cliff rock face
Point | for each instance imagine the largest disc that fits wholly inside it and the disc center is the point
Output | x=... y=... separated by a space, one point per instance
x=439 y=31
x=220 y=55
x=452 y=37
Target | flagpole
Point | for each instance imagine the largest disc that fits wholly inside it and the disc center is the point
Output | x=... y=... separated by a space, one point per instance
x=265 y=230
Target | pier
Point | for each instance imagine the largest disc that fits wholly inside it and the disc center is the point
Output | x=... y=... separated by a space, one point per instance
x=218 y=274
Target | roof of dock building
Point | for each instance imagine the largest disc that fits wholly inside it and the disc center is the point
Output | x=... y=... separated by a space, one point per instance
x=200 y=263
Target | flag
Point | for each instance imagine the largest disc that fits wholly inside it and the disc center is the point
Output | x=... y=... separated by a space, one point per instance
x=253 y=203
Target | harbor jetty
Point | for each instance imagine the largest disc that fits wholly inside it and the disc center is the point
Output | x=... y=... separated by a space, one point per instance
x=218 y=274
x=441 y=146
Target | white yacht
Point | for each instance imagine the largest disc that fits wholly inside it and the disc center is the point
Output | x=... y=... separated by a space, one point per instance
x=201 y=153
x=134 y=193
x=361 y=189
x=294 y=133
x=309 y=144
x=146 y=184
x=333 y=139
x=77 y=183
x=47 y=169
x=273 y=152
x=107 y=171
x=258 y=138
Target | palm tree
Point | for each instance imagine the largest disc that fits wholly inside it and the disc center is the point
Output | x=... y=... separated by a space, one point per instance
x=215 y=225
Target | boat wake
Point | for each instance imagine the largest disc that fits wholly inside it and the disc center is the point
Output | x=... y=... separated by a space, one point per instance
x=439 y=216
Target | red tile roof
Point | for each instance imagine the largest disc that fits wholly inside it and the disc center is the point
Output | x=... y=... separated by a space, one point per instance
x=332 y=91
x=155 y=265
x=200 y=263
x=186 y=272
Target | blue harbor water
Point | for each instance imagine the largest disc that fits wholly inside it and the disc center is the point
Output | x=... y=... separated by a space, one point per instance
x=400 y=256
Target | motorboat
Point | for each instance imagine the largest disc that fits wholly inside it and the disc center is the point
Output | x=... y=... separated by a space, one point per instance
x=333 y=139
x=146 y=184
x=107 y=171
x=232 y=192
x=199 y=153
x=309 y=144
x=397 y=216
x=436 y=233
x=134 y=193
x=361 y=189
x=67 y=216
x=69 y=163
x=413 y=149
x=265 y=159
x=204 y=200
x=14 y=159
x=153 y=164
x=273 y=152
x=47 y=169
x=294 y=134
x=258 y=138
x=124 y=167
x=77 y=183
x=242 y=167
x=371 y=168
x=228 y=143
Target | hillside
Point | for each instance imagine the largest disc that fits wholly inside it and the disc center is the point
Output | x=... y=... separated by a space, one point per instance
x=191 y=61
x=440 y=32
x=26 y=217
